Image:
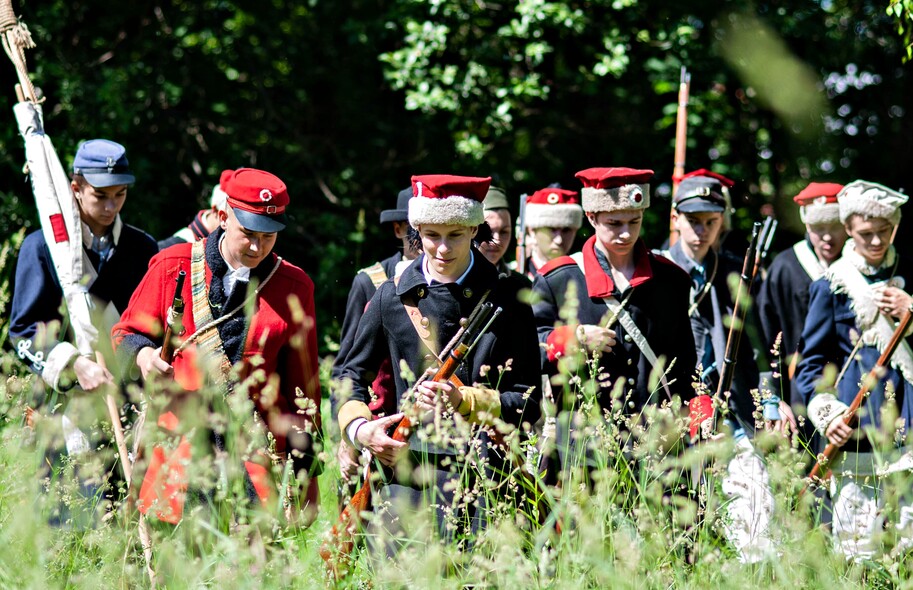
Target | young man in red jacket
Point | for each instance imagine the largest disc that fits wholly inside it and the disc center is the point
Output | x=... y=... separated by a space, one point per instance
x=248 y=327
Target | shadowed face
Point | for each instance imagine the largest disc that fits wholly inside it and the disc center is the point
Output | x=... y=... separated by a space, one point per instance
x=698 y=231
x=447 y=248
x=827 y=240
x=499 y=222
x=98 y=207
x=617 y=231
x=242 y=247
x=871 y=237
x=552 y=242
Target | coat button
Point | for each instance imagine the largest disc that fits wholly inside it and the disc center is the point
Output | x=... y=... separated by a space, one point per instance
x=425 y=322
x=467 y=293
x=421 y=292
x=630 y=380
x=630 y=362
x=627 y=337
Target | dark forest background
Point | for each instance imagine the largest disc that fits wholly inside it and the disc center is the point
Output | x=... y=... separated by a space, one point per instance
x=346 y=100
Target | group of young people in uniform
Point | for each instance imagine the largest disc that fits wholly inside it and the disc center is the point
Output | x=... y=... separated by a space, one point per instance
x=653 y=323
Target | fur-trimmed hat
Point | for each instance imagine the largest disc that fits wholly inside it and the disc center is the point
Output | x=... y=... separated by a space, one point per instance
x=554 y=207
x=870 y=199
x=615 y=189
x=448 y=200
x=818 y=203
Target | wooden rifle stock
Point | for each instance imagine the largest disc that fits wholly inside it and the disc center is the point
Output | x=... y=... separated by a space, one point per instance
x=177 y=309
x=337 y=550
x=681 y=140
x=851 y=416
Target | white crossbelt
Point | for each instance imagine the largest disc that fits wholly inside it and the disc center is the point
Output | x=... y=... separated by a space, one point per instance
x=627 y=322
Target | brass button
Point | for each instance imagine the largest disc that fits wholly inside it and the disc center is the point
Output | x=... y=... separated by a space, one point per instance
x=467 y=293
x=630 y=362
x=627 y=337
x=421 y=292
x=425 y=322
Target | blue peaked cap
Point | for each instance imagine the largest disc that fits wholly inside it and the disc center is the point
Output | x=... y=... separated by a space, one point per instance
x=103 y=163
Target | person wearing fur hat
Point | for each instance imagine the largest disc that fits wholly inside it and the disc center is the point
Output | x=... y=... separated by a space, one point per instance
x=552 y=217
x=410 y=320
x=204 y=222
x=783 y=298
x=248 y=327
x=853 y=311
x=365 y=284
x=632 y=305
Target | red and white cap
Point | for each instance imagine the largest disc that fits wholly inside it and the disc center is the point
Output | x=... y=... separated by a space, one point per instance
x=818 y=203
x=615 y=189
x=554 y=207
x=448 y=200
x=257 y=198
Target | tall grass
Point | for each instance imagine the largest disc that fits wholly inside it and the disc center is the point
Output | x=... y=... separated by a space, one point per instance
x=629 y=519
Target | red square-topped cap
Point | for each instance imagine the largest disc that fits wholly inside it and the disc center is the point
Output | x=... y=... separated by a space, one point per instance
x=818 y=192
x=257 y=197
x=448 y=200
x=613 y=177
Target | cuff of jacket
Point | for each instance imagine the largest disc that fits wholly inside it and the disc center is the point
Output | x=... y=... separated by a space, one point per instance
x=351 y=410
x=558 y=341
x=57 y=364
x=823 y=408
x=480 y=405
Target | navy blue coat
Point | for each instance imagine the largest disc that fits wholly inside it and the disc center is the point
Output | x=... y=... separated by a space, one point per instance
x=658 y=306
x=385 y=330
x=826 y=340
x=38 y=298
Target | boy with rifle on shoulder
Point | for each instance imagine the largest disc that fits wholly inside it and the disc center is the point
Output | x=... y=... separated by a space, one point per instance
x=697 y=215
x=853 y=312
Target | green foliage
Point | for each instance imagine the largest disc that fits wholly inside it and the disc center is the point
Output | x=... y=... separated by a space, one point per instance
x=902 y=11
x=345 y=101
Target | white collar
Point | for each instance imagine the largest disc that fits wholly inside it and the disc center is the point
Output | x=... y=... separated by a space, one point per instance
x=459 y=281
x=87 y=233
x=860 y=264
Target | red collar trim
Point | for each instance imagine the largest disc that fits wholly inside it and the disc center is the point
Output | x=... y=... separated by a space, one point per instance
x=599 y=284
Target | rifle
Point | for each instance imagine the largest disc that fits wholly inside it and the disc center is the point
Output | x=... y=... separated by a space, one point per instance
x=337 y=549
x=764 y=242
x=521 y=236
x=739 y=313
x=851 y=417
x=175 y=318
x=681 y=140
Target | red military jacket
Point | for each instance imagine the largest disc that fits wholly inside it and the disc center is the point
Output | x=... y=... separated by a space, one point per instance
x=280 y=339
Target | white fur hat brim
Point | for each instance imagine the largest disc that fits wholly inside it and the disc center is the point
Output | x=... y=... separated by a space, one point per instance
x=538 y=215
x=815 y=214
x=870 y=200
x=622 y=198
x=445 y=211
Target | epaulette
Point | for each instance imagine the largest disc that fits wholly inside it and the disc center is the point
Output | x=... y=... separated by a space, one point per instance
x=556 y=263
x=376 y=273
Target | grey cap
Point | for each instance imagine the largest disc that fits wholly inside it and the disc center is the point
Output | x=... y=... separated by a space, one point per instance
x=699 y=194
